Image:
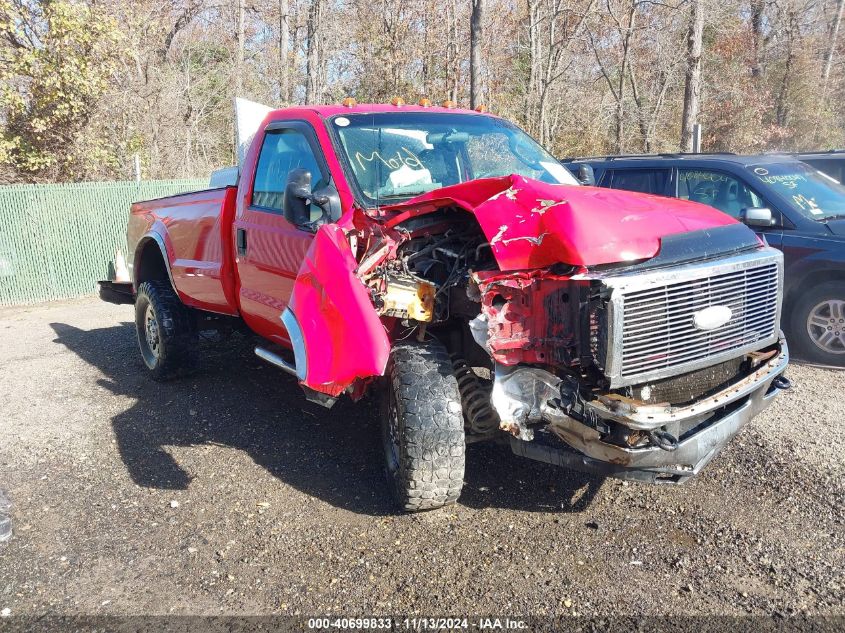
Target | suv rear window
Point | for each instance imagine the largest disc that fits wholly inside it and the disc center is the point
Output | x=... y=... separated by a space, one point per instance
x=833 y=168
x=641 y=180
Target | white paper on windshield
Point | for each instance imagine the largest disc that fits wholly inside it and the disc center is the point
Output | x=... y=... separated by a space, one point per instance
x=406 y=176
x=561 y=173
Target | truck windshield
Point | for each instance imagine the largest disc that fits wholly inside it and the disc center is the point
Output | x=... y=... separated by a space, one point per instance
x=808 y=191
x=392 y=156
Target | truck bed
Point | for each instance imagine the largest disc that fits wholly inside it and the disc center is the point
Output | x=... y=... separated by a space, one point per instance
x=196 y=230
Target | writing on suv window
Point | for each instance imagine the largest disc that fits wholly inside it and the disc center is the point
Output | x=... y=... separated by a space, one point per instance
x=805 y=189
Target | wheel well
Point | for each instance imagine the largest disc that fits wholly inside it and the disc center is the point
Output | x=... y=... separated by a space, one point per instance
x=818 y=277
x=150 y=265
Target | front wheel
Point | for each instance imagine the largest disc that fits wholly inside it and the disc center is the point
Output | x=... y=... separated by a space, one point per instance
x=423 y=428
x=818 y=325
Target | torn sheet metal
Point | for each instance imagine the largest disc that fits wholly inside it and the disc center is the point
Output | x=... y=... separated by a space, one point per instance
x=521 y=396
x=532 y=224
x=344 y=338
x=531 y=317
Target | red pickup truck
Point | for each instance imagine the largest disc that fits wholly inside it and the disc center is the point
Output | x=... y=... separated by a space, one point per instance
x=444 y=260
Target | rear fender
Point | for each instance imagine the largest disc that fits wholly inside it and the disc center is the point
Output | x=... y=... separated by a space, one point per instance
x=152 y=240
x=336 y=333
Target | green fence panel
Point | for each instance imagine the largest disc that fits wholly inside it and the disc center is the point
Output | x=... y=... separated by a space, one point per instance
x=56 y=241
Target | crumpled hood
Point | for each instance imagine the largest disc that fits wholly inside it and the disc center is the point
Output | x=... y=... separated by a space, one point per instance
x=532 y=224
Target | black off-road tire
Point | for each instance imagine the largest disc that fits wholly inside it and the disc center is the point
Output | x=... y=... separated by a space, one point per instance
x=171 y=347
x=423 y=427
x=825 y=302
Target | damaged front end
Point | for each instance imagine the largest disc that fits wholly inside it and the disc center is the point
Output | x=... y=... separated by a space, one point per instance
x=621 y=353
x=619 y=374
x=627 y=438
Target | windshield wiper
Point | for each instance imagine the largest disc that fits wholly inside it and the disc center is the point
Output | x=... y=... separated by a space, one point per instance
x=404 y=194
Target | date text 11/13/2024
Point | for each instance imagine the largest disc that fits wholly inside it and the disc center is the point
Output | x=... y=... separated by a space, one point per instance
x=419 y=624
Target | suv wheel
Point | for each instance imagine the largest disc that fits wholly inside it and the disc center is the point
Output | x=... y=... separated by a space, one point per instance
x=166 y=330
x=818 y=325
x=423 y=428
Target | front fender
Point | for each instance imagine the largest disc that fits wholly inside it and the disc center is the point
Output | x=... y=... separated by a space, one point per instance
x=341 y=337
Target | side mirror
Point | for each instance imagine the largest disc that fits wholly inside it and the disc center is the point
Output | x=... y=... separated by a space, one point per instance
x=758 y=216
x=586 y=175
x=298 y=197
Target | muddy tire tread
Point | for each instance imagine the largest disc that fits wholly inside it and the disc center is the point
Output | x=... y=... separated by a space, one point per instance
x=177 y=328
x=432 y=455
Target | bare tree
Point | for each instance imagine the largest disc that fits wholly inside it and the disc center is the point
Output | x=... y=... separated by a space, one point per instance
x=239 y=63
x=692 y=85
x=623 y=30
x=284 y=45
x=452 y=62
x=313 y=61
x=792 y=33
x=757 y=37
x=592 y=77
x=475 y=31
x=831 y=49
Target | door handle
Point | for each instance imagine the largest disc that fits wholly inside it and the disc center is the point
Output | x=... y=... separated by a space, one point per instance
x=240 y=239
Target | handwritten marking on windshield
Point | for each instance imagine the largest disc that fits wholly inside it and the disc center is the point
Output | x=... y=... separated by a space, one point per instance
x=790 y=181
x=701 y=176
x=808 y=204
x=393 y=161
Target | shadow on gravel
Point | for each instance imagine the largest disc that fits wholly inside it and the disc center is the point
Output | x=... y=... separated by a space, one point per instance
x=236 y=400
x=495 y=477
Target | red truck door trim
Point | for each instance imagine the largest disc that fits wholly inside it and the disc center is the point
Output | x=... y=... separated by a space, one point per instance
x=275 y=248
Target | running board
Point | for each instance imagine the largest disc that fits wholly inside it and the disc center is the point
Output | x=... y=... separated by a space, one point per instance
x=275 y=359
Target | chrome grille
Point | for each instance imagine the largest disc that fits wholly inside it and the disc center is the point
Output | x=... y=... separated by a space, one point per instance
x=653 y=332
x=659 y=331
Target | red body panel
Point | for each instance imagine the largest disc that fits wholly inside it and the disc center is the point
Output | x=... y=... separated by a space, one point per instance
x=531 y=224
x=344 y=337
x=196 y=229
x=533 y=324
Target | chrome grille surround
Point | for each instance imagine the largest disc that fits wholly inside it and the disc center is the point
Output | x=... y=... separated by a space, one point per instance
x=651 y=331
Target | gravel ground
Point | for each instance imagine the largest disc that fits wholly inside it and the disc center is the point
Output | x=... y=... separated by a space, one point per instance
x=225 y=492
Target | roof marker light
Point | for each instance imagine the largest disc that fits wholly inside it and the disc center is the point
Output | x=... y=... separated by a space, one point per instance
x=349 y=102
x=449 y=104
x=481 y=108
x=397 y=101
x=425 y=103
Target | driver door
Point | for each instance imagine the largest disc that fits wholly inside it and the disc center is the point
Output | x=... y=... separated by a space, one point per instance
x=268 y=248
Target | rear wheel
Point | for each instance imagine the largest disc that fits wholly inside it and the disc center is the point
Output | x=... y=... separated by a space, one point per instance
x=818 y=325
x=166 y=330
x=423 y=428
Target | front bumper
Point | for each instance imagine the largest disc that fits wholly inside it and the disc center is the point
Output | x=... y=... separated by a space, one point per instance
x=711 y=424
